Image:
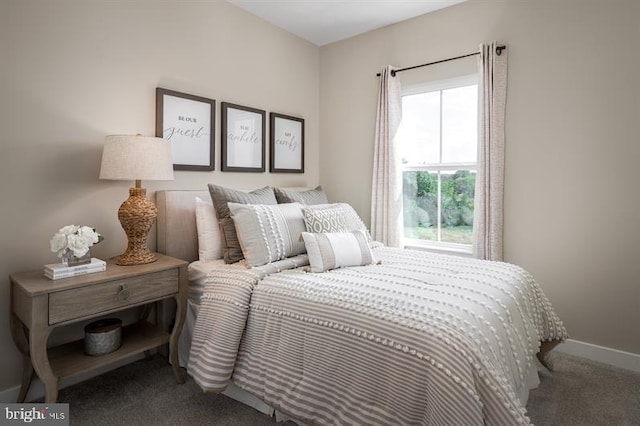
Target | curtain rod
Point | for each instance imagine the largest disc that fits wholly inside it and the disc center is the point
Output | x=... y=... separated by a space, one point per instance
x=499 y=50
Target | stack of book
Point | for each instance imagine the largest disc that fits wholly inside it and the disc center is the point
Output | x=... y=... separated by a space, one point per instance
x=56 y=271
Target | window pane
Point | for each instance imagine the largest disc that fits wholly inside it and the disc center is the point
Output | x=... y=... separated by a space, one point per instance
x=419 y=133
x=420 y=205
x=460 y=124
x=458 y=189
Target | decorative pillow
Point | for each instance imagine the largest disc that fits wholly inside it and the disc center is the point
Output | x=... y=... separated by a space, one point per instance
x=268 y=233
x=339 y=217
x=333 y=250
x=209 y=240
x=221 y=196
x=311 y=196
x=328 y=219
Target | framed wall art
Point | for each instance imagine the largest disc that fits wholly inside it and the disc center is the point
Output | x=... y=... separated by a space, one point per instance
x=188 y=122
x=286 y=144
x=243 y=138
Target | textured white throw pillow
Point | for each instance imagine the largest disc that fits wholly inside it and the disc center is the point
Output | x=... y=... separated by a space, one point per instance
x=209 y=238
x=331 y=250
x=338 y=217
x=268 y=232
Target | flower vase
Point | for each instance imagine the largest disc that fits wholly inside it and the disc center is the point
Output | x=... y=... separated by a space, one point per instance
x=69 y=259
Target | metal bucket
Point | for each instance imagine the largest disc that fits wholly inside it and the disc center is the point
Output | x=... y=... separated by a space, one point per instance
x=102 y=337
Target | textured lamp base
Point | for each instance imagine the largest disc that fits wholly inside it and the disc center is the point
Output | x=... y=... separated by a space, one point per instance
x=137 y=215
x=135 y=257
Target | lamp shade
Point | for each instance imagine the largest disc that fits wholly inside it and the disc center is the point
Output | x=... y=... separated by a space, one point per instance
x=128 y=157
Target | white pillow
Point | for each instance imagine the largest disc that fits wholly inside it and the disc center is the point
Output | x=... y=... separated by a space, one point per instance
x=209 y=238
x=331 y=250
x=338 y=217
x=268 y=232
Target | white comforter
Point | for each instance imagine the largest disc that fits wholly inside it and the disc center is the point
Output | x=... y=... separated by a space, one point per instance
x=417 y=339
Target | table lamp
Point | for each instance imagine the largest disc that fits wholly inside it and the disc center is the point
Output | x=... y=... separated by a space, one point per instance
x=136 y=158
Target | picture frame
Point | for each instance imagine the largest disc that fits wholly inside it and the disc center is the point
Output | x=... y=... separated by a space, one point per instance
x=188 y=122
x=286 y=144
x=243 y=138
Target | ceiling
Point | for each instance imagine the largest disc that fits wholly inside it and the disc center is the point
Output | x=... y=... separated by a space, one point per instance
x=325 y=21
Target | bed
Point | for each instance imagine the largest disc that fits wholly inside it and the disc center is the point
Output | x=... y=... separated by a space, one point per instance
x=410 y=338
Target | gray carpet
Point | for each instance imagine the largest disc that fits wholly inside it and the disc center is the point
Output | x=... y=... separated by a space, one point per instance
x=579 y=392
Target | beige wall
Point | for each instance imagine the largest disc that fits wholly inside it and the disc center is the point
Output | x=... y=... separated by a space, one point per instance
x=73 y=72
x=571 y=196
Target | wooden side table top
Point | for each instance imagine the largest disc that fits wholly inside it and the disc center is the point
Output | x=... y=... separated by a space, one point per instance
x=35 y=283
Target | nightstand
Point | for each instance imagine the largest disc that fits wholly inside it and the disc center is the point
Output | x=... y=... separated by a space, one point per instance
x=39 y=305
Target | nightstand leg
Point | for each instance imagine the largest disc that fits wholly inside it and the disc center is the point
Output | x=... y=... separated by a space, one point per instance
x=145 y=312
x=21 y=341
x=173 y=340
x=144 y=315
x=40 y=361
x=27 y=377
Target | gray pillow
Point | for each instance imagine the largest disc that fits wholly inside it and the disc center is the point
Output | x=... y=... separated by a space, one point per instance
x=221 y=196
x=268 y=233
x=308 y=197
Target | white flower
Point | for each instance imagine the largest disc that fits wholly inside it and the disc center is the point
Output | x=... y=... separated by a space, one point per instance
x=58 y=242
x=72 y=239
x=89 y=234
x=78 y=245
x=69 y=229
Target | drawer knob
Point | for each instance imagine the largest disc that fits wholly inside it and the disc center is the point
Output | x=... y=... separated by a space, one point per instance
x=123 y=293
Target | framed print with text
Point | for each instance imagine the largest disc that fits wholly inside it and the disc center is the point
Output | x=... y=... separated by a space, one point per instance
x=243 y=138
x=188 y=122
x=286 y=144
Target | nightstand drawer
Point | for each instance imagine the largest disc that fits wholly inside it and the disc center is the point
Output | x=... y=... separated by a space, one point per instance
x=93 y=299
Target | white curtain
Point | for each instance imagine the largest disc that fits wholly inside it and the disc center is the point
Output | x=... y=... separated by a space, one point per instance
x=492 y=91
x=386 y=187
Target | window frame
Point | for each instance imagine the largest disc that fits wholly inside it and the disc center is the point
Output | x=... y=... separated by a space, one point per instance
x=433 y=86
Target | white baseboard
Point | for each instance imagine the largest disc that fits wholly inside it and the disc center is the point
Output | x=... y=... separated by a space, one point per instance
x=36 y=390
x=614 y=357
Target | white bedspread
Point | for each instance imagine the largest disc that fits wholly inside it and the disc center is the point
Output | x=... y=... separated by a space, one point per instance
x=198 y=272
x=418 y=339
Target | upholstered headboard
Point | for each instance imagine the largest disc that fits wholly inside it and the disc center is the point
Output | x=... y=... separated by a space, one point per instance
x=176 y=226
x=177 y=234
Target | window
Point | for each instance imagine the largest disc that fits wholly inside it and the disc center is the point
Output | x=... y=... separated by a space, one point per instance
x=438 y=146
